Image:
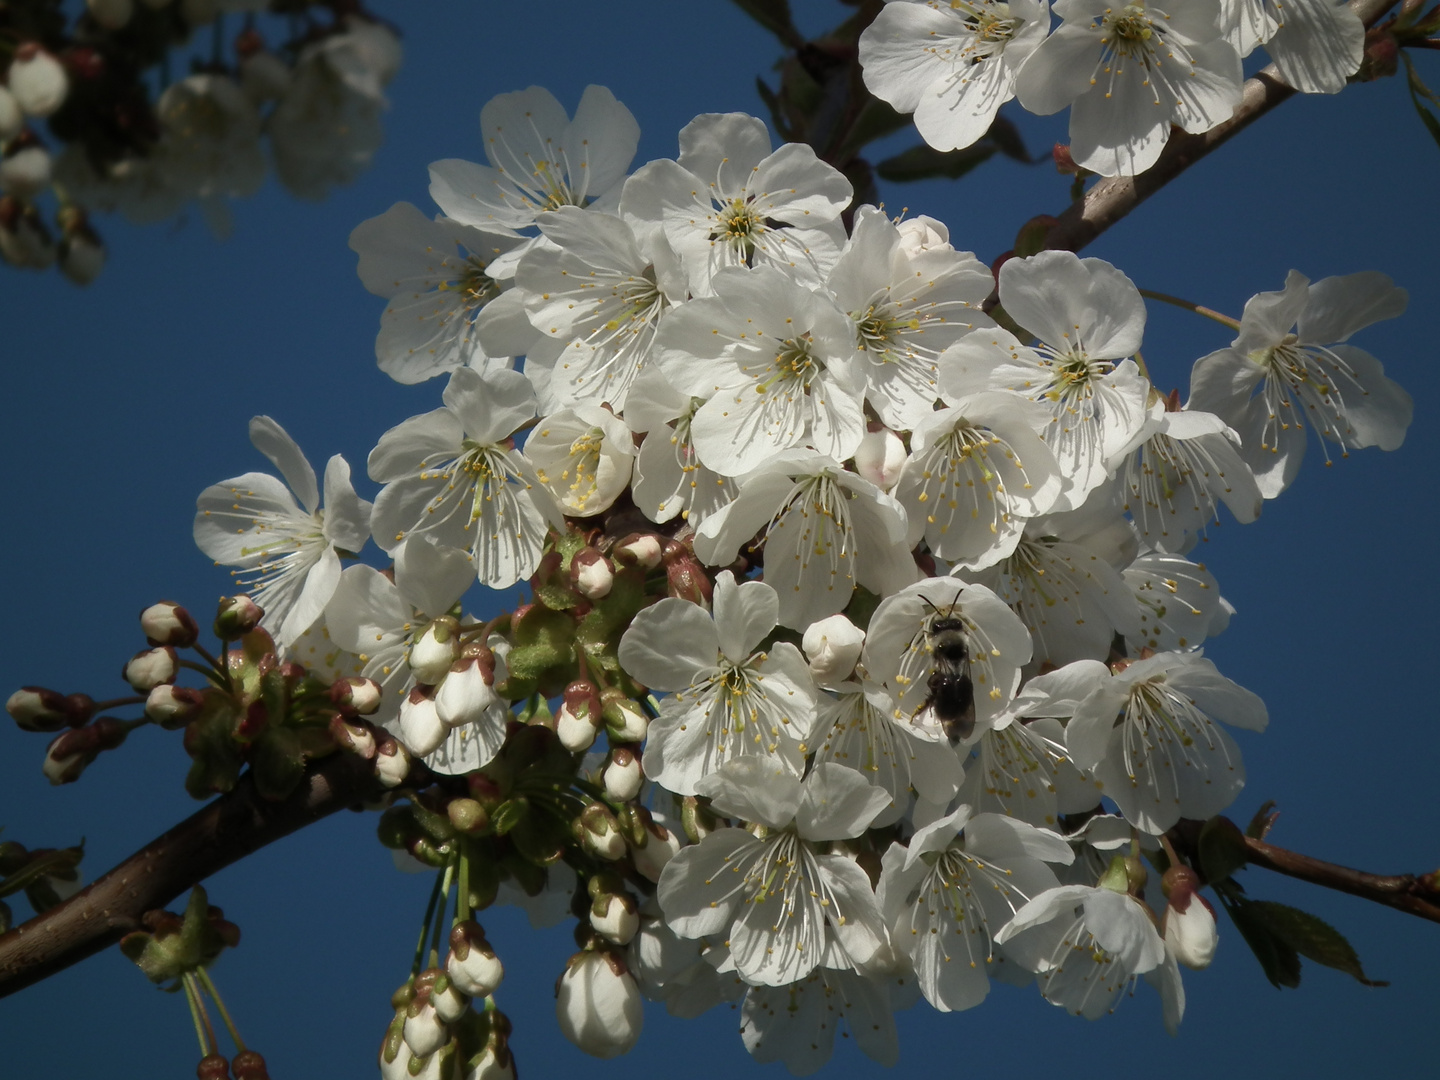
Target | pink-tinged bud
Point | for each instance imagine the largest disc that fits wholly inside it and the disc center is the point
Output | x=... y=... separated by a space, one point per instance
x=425 y=1032
x=111 y=14
x=449 y=1003
x=1382 y=55
x=614 y=917
x=599 y=833
x=467 y=693
x=660 y=846
x=420 y=724
x=148 y=669
x=236 y=617
x=591 y=574
x=472 y=964
x=169 y=624
x=579 y=718
x=173 y=706
x=362 y=695
x=686 y=579
x=35 y=708
x=833 y=646
x=1064 y=161
x=880 y=457
x=12 y=120
x=357 y=738
x=624 y=720
x=70 y=753
x=640 y=549
x=623 y=776
x=432 y=656
x=598 y=1005
x=25 y=170
x=37 y=80
x=392 y=763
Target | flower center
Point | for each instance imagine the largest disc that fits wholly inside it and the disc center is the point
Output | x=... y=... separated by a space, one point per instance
x=1130 y=33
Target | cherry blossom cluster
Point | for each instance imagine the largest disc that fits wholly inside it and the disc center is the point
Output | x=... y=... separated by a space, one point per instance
x=315 y=94
x=862 y=656
x=1127 y=71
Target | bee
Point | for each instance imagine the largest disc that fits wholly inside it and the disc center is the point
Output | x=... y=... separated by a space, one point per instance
x=952 y=694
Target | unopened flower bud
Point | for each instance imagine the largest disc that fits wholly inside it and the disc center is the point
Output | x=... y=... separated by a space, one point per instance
x=640 y=549
x=425 y=1032
x=832 y=646
x=437 y=649
x=37 y=80
x=623 y=775
x=592 y=575
x=449 y=1003
x=615 y=917
x=25 y=170
x=169 y=624
x=624 y=720
x=659 y=847
x=111 y=14
x=880 y=457
x=1191 y=933
x=362 y=695
x=686 y=578
x=248 y=1065
x=151 y=667
x=922 y=233
x=35 y=708
x=472 y=964
x=71 y=752
x=392 y=763
x=467 y=693
x=236 y=617
x=420 y=724
x=579 y=717
x=12 y=120
x=598 y=1005
x=468 y=816
x=173 y=706
x=358 y=738
x=599 y=833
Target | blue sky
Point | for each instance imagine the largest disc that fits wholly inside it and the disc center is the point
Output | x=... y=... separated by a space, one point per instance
x=124 y=400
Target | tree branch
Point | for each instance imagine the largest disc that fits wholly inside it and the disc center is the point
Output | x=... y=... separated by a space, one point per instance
x=1418 y=896
x=225 y=831
x=1114 y=197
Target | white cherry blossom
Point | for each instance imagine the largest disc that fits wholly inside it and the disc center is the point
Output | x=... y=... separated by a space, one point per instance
x=1291 y=368
x=951 y=64
x=1087 y=315
x=773 y=361
x=669 y=476
x=945 y=896
x=1180 y=603
x=441 y=299
x=583 y=455
x=454 y=473
x=729 y=201
x=825 y=529
x=784 y=905
x=1129 y=72
x=906 y=307
x=796 y=1023
x=1316 y=44
x=288 y=553
x=728 y=699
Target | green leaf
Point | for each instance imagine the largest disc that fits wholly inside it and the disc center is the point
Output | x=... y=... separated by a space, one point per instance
x=773 y=15
x=509 y=814
x=1277 y=959
x=1006 y=137
x=277 y=762
x=876 y=120
x=1221 y=849
x=924 y=162
x=1311 y=937
x=1418 y=89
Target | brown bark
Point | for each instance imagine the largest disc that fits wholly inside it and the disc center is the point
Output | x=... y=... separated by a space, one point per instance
x=223 y=832
x=1419 y=896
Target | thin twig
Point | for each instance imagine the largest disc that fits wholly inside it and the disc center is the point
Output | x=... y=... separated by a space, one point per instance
x=1414 y=895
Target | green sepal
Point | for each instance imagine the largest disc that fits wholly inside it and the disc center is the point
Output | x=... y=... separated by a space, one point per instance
x=1221 y=849
x=277 y=761
x=509 y=814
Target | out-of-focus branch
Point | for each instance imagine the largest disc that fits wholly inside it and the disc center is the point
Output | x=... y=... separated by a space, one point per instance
x=228 y=829
x=1418 y=896
x=1111 y=199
